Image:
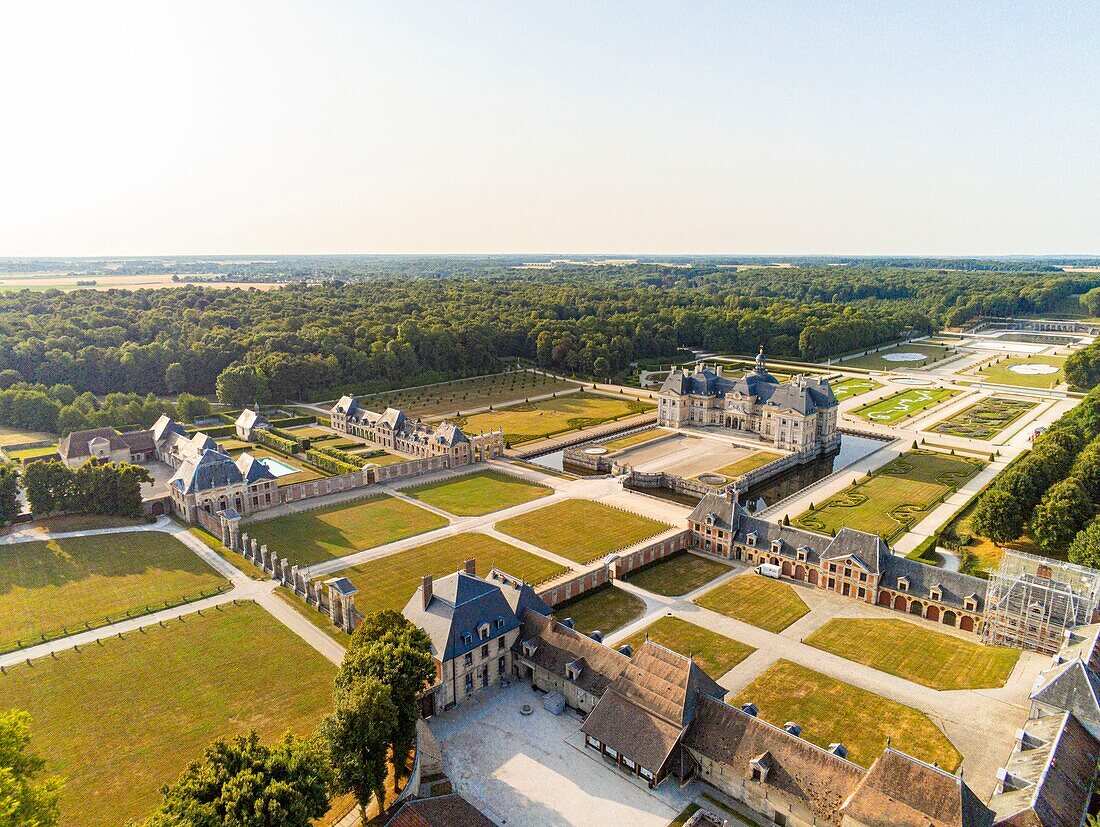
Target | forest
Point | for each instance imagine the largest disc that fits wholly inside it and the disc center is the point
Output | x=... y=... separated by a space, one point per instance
x=393 y=328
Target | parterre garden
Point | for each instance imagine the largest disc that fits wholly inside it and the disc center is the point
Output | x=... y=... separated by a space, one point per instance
x=756 y=600
x=1025 y=371
x=985 y=418
x=479 y=493
x=848 y=388
x=911 y=355
x=934 y=659
x=893 y=498
x=525 y=422
x=605 y=609
x=677 y=575
x=467 y=394
x=55 y=587
x=581 y=530
x=715 y=653
x=309 y=537
x=831 y=711
x=631 y=440
x=123 y=718
x=904 y=404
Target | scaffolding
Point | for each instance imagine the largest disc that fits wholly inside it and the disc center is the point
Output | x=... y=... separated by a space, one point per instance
x=1032 y=601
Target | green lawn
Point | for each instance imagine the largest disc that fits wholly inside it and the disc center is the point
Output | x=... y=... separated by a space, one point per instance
x=313 y=536
x=832 y=711
x=479 y=493
x=467 y=394
x=904 y=404
x=897 y=496
x=122 y=719
x=581 y=530
x=24 y=454
x=524 y=422
x=677 y=575
x=15 y=436
x=634 y=439
x=715 y=653
x=389 y=582
x=879 y=361
x=607 y=609
x=985 y=418
x=915 y=653
x=848 y=388
x=1019 y=371
x=51 y=584
x=755 y=460
x=758 y=600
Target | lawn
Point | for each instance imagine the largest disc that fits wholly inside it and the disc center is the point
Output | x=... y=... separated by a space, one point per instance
x=637 y=438
x=912 y=355
x=313 y=536
x=581 y=530
x=14 y=436
x=831 y=711
x=1026 y=371
x=24 y=454
x=757 y=600
x=677 y=575
x=904 y=404
x=52 y=585
x=848 y=388
x=310 y=432
x=606 y=609
x=985 y=418
x=122 y=719
x=918 y=654
x=755 y=460
x=389 y=582
x=384 y=459
x=896 y=497
x=479 y=493
x=715 y=653
x=525 y=422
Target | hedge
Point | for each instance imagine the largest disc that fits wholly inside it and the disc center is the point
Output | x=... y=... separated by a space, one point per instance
x=344 y=456
x=329 y=463
x=216 y=431
x=273 y=440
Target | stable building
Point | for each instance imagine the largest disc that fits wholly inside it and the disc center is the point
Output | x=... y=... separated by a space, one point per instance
x=799 y=415
x=212 y=481
x=106 y=445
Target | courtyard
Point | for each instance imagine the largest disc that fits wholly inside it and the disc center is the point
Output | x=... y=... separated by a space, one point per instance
x=692 y=455
x=533 y=769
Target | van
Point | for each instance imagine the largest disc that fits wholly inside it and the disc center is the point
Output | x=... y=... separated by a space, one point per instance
x=768 y=570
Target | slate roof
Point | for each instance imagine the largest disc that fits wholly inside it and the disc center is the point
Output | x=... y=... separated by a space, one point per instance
x=250 y=419
x=1053 y=771
x=900 y=791
x=210 y=469
x=449 y=434
x=76 y=444
x=166 y=425
x=644 y=711
x=346 y=405
x=520 y=596
x=202 y=442
x=392 y=418
x=140 y=442
x=804 y=395
x=820 y=780
x=252 y=470
x=557 y=646
x=1073 y=688
x=442 y=811
x=342 y=585
x=954 y=586
x=460 y=603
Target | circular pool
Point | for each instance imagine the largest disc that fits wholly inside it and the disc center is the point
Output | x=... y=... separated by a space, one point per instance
x=1034 y=370
x=904 y=356
x=711 y=479
x=595 y=450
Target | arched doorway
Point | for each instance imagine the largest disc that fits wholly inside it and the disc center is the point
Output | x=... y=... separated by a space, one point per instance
x=799 y=573
x=916 y=608
x=813 y=577
x=158 y=509
x=786 y=568
x=884 y=598
x=899 y=603
x=933 y=614
x=775 y=561
x=966 y=623
x=949 y=618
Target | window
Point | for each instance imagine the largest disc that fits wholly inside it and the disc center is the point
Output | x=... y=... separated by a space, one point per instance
x=500 y=643
x=832 y=568
x=500 y=622
x=832 y=582
x=862 y=592
x=485 y=651
x=484 y=678
x=468 y=659
x=500 y=666
x=483 y=631
x=469 y=682
x=467 y=638
x=863 y=576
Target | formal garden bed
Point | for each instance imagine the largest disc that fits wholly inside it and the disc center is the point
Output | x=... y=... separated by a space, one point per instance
x=904 y=404
x=849 y=388
x=985 y=418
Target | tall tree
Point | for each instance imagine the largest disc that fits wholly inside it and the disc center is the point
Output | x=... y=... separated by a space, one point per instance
x=243 y=783
x=358 y=733
x=242 y=385
x=1065 y=510
x=998 y=516
x=10 y=507
x=25 y=799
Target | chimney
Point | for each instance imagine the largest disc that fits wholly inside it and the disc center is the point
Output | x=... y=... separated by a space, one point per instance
x=425 y=591
x=471 y=566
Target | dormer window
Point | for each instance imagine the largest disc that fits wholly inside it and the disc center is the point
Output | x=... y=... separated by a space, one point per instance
x=760 y=766
x=903 y=584
x=935 y=593
x=971 y=603
x=529 y=648
x=750 y=538
x=573 y=670
x=500 y=622
x=483 y=631
x=801 y=554
x=777 y=545
x=467 y=638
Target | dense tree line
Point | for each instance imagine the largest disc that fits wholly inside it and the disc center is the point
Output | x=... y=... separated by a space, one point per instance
x=446 y=322
x=94 y=488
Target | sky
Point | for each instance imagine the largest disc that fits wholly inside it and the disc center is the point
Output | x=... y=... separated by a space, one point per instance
x=237 y=127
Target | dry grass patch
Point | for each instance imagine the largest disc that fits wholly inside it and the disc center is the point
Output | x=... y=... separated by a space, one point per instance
x=915 y=653
x=581 y=530
x=757 y=600
x=832 y=711
x=676 y=575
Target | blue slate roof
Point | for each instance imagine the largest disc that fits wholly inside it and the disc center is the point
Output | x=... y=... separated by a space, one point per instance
x=211 y=470
x=252 y=469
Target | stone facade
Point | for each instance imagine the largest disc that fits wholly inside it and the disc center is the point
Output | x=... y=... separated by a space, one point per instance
x=799 y=415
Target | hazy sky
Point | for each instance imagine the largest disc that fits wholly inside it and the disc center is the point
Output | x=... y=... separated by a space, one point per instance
x=369 y=127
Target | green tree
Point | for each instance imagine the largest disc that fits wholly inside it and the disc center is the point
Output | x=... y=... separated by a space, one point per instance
x=998 y=516
x=10 y=507
x=241 y=385
x=189 y=407
x=175 y=380
x=243 y=783
x=1064 y=510
x=1085 y=548
x=25 y=799
x=358 y=733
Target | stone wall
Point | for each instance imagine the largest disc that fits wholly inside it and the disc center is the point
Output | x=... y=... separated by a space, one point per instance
x=319 y=488
x=671 y=482
x=622 y=564
x=412 y=468
x=558 y=591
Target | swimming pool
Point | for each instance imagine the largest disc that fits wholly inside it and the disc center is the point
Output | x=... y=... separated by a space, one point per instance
x=279 y=469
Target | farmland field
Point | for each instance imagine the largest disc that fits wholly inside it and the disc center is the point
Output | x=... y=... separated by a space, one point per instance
x=581 y=530
x=122 y=719
x=894 y=498
x=312 y=536
x=52 y=585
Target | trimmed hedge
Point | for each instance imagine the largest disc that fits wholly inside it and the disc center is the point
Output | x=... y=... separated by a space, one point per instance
x=329 y=463
x=292 y=421
x=216 y=431
x=343 y=456
x=274 y=440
